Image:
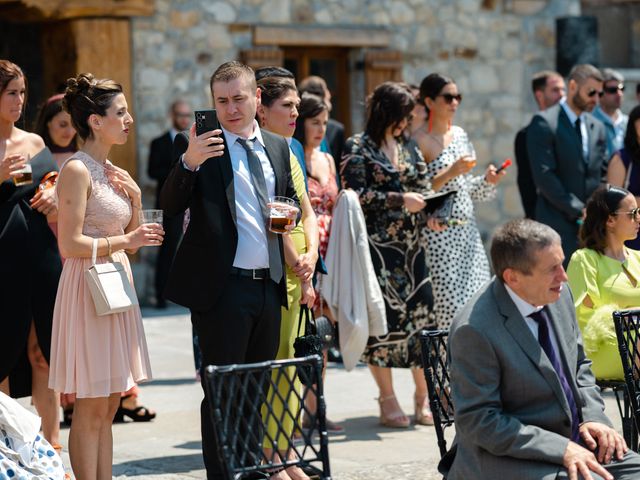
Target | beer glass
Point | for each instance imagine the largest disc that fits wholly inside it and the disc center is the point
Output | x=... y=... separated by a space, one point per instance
x=24 y=176
x=283 y=212
x=470 y=153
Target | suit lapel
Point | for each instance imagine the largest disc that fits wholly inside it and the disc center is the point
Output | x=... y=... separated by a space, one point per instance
x=226 y=171
x=591 y=136
x=558 y=313
x=564 y=119
x=520 y=332
x=269 y=148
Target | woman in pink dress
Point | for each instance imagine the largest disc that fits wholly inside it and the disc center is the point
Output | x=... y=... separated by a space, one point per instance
x=96 y=357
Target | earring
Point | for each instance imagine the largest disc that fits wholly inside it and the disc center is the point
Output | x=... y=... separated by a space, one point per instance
x=449 y=125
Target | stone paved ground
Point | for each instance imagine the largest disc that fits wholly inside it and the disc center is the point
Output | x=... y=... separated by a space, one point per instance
x=169 y=447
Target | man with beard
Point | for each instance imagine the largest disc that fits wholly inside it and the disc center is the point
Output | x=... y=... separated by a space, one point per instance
x=567 y=150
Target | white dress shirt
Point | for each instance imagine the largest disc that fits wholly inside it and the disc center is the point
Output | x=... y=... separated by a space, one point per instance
x=583 y=127
x=526 y=309
x=252 y=251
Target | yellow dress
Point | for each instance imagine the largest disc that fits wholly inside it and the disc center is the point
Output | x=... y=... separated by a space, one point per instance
x=610 y=288
x=288 y=334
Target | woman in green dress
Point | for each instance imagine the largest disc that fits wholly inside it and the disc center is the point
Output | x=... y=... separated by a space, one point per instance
x=604 y=275
x=277 y=114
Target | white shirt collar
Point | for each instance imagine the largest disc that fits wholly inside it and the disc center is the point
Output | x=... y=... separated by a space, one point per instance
x=570 y=113
x=524 y=307
x=173 y=132
x=232 y=137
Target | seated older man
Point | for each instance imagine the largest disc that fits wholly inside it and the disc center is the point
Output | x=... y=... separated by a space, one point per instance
x=527 y=406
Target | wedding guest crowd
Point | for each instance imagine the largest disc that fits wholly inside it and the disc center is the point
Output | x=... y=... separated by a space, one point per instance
x=277 y=139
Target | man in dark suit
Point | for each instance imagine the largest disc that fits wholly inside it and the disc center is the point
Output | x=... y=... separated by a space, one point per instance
x=229 y=268
x=567 y=150
x=548 y=89
x=527 y=405
x=160 y=163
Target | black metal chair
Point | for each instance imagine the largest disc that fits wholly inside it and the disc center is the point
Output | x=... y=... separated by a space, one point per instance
x=251 y=407
x=627 y=325
x=436 y=372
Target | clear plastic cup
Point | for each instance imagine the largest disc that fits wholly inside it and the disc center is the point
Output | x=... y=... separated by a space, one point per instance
x=283 y=212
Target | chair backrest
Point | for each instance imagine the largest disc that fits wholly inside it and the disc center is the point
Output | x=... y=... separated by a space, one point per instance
x=436 y=372
x=627 y=324
x=256 y=407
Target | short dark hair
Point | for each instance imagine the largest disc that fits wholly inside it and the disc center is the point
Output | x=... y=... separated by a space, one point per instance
x=515 y=244
x=272 y=88
x=50 y=108
x=582 y=72
x=86 y=95
x=230 y=71
x=387 y=106
x=310 y=106
x=272 y=71
x=609 y=74
x=314 y=85
x=602 y=203
x=539 y=79
x=431 y=86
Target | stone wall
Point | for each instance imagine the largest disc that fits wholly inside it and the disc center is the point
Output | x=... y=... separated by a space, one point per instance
x=490 y=47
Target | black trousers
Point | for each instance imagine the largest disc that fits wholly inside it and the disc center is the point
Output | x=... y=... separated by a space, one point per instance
x=172 y=235
x=242 y=327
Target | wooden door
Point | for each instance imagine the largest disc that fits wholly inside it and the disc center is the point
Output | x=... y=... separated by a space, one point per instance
x=330 y=64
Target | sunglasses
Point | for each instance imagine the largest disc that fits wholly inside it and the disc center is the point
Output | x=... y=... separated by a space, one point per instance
x=633 y=214
x=449 y=98
x=612 y=90
x=593 y=92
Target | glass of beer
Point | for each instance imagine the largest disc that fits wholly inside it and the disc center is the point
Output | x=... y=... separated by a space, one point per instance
x=470 y=153
x=24 y=176
x=283 y=212
x=150 y=216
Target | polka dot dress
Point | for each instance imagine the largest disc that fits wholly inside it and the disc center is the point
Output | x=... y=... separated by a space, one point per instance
x=458 y=261
x=45 y=462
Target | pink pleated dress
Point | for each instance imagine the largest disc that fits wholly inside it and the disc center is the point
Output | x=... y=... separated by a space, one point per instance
x=94 y=356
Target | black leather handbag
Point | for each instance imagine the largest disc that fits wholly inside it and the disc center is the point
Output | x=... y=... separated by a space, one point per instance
x=308 y=344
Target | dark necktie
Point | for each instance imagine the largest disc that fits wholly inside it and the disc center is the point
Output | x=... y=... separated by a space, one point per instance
x=579 y=133
x=542 y=318
x=257 y=177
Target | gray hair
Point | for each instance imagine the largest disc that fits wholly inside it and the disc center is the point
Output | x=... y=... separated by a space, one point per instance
x=610 y=74
x=515 y=243
x=582 y=72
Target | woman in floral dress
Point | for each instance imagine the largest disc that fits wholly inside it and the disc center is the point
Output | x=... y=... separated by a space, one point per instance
x=390 y=177
x=459 y=264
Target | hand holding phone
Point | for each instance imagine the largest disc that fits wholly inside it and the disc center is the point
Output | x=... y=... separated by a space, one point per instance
x=506 y=164
x=205 y=140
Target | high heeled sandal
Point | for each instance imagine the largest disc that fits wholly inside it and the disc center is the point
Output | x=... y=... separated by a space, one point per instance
x=423 y=415
x=138 y=414
x=397 y=418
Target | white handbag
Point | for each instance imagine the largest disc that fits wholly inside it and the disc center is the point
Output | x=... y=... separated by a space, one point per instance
x=109 y=285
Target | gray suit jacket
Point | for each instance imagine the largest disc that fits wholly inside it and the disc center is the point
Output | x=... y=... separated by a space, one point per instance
x=512 y=417
x=563 y=179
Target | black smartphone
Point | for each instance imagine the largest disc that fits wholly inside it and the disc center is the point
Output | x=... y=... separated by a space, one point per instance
x=206 y=121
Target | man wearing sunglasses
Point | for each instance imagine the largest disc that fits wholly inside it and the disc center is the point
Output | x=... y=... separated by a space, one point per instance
x=609 y=113
x=567 y=151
